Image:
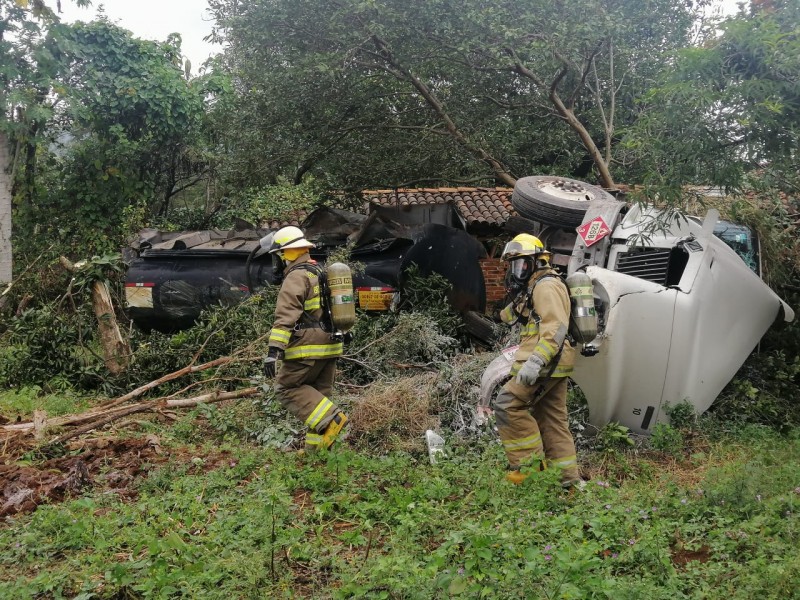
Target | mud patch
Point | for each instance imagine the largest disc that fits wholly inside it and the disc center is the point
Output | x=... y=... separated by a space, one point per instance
x=109 y=463
x=682 y=556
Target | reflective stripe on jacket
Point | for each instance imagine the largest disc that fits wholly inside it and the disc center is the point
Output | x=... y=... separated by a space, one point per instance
x=300 y=295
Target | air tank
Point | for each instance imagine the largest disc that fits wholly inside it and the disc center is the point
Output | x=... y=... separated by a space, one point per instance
x=342 y=300
x=583 y=323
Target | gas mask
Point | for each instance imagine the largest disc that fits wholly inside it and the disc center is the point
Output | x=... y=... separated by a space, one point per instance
x=519 y=273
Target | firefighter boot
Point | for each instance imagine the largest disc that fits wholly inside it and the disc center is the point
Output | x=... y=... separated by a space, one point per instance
x=516 y=476
x=333 y=430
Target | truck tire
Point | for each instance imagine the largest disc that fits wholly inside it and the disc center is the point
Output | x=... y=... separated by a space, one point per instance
x=556 y=201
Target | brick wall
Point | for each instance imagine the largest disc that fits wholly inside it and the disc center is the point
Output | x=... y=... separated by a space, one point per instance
x=494 y=273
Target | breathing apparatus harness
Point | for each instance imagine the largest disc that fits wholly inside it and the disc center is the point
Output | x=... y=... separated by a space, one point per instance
x=307 y=320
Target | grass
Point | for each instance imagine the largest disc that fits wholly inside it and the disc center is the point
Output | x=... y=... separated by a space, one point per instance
x=232 y=520
x=20 y=403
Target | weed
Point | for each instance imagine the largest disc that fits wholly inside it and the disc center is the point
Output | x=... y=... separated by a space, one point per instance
x=614 y=437
x=681 y=415
x=667 y=438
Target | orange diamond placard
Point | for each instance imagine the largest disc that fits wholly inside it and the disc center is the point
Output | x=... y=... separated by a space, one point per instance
x=593 y=231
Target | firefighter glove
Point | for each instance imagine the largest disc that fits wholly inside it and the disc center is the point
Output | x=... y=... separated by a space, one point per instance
x=271 y=361
x=529 y=372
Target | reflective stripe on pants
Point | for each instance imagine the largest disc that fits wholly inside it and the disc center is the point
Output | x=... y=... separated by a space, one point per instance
x=532 y=421
x=303 y=388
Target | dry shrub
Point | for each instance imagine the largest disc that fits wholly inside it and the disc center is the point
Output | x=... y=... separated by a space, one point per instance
x=458 y=390
x=393 y=415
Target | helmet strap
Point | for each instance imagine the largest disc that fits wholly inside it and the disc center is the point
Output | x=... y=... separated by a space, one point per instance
x=280 y=262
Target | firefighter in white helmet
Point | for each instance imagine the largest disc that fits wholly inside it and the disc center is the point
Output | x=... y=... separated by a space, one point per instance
x=531 y=409
x=298 y=343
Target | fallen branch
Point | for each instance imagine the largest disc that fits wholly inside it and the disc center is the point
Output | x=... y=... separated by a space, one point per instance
x=113 y=413
x=191 y=368
x=154 y=405
x=362 y=364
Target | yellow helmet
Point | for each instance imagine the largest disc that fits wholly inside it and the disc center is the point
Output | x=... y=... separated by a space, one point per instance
x=285 y=239
x=523 y=244
x=523 y=253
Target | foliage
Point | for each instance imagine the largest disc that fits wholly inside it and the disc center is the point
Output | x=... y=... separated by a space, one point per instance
x=391 y=344
x=763 y=392
x=462 y=93
x=429 y=293
x=681 y=415
x=100 y=120
x=614 y=437
x=236 y=521
x=457 y=390
x=97 y=268
x=282 y=201
x=726 y=108
x=219 y=332
x=667 y=439
x=59 y=358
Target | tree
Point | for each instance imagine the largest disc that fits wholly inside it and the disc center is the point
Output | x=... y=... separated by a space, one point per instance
x=23 y=90
x=484 y=88
x=728 y=108
x=125 y=130
x=5 y=214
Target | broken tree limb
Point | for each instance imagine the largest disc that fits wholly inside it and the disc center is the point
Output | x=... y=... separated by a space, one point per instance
x=154 y=405
x=190 y=368
x=116 y=349
x=168 y=377
x=116 y=412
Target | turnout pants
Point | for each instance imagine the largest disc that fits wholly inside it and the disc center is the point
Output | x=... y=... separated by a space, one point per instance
x=303 y=387
x=533 y=424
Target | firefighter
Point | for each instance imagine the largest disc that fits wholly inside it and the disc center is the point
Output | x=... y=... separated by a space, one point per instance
x=300 y=350
x=531 y=408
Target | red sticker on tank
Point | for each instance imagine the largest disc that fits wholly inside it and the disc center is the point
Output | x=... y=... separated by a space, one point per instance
x=593 y=231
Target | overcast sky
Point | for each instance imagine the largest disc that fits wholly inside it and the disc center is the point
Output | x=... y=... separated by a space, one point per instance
x=155 y=20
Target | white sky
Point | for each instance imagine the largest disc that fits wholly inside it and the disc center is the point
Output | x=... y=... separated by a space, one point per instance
x=155 y=20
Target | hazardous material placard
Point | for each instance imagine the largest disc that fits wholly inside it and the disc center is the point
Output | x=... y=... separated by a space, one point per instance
x=593 y=231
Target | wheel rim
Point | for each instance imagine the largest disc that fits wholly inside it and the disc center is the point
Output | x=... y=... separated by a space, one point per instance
x=566 y=189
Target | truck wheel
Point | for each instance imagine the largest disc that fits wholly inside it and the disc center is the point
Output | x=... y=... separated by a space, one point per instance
x=557 y=201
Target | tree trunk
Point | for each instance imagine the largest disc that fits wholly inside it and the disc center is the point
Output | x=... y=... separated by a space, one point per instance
x=116 y=350
x=5 y=212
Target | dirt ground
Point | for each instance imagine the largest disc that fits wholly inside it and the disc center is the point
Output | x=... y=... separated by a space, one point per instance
x=108 y=463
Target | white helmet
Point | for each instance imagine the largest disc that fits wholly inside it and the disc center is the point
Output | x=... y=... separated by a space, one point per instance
x=285 y=238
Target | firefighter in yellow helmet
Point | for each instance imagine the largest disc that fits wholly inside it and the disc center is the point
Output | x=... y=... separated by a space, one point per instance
x=531 y=409
x=298 y=343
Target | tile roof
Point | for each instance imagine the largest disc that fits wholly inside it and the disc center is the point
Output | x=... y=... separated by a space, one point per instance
x=479 y=206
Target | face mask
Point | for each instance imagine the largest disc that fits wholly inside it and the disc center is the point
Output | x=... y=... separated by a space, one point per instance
x=518 y=273
x=520 y=269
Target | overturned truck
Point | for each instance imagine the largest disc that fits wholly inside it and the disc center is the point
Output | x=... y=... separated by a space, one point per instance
x=680 y=301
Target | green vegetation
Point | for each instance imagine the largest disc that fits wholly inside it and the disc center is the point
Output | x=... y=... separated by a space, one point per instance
x=108 y=134
x=230 y=520
x=216 y=504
